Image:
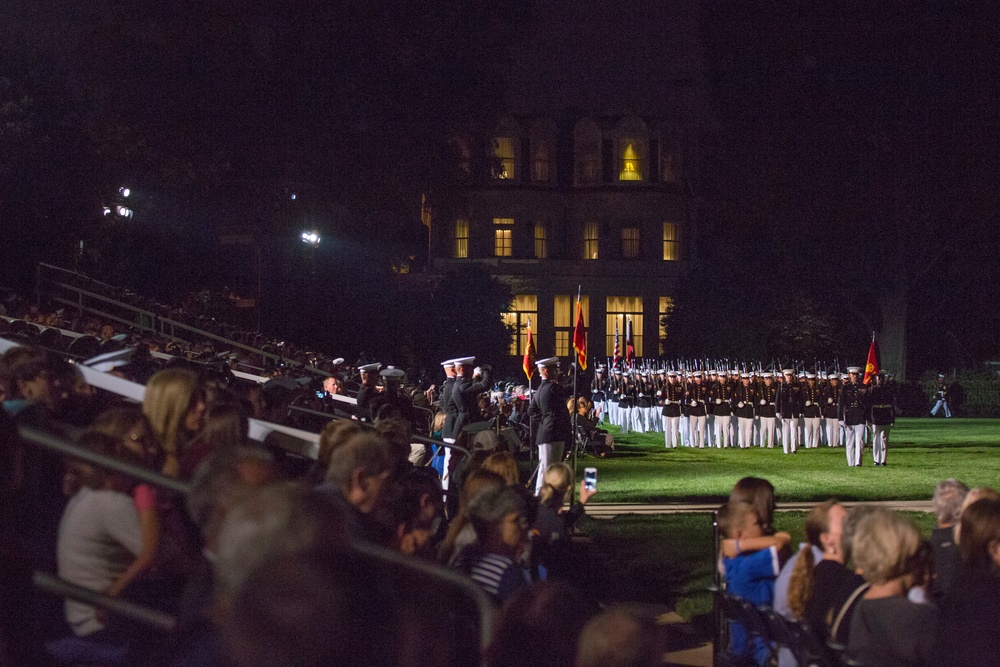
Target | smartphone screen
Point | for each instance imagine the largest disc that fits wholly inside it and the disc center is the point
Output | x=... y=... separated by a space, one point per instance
x=590 y=479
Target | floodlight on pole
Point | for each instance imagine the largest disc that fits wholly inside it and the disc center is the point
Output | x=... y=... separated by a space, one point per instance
x=124 y=192
x=310 y=238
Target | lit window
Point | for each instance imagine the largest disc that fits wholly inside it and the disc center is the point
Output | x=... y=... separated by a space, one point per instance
x=541 y=246
x=620 y=310
x=670 y=241
x=630 y=242
x=562 y=343
x=590 y=240
x=666 y=308
x=503 y=237
x=631 y=162
x=461 y=239
x=541 y=161
x=503 y=151
x=525 y=307
x=502 y=245
x=564 y=321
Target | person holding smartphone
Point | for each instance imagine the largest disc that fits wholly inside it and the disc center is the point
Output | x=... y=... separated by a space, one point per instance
x=553 y=523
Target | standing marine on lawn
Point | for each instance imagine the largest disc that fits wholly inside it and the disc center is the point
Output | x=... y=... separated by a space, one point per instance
x=852 y=409
x=883 y=416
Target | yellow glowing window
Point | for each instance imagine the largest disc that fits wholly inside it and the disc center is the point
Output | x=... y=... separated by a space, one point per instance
x=666 y=308
x=541 y=242
x=670 y=241
x=564 y=320
x=621 y=309
x=502 y=242
x=562 y=343
x=461 y=239
x=631 y=169
x=630 y=242
x=524 y=307
x=590 y=240
x=503 y=151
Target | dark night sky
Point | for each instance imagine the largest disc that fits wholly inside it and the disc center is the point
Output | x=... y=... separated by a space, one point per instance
x=864 y=131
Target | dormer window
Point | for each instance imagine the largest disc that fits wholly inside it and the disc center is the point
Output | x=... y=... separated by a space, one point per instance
x=631 y=161
x=503 y=152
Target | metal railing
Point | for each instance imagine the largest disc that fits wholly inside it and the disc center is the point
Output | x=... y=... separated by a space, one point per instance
x=439 y=576
x=145 y=321
x=416 y=438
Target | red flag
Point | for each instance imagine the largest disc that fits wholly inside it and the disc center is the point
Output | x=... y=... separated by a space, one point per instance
x=871 y=366
x=629 y=345
x=618 y=349
x=528 y=363
x=580 y=336
x=425 y=212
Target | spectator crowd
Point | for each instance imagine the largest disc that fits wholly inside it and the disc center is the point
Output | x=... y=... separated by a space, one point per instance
x=865 y=588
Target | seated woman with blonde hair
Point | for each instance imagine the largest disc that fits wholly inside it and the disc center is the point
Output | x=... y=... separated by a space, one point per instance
x=175 y=405
x=552 y=524
x=887 y=628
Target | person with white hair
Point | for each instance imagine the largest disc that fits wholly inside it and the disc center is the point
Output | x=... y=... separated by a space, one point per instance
x=948 y=497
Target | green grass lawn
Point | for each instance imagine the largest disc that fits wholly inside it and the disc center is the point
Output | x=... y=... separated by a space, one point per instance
x=921 y=453
x=668 y=559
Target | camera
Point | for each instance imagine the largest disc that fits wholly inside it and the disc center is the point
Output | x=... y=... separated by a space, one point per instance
x=590 y=479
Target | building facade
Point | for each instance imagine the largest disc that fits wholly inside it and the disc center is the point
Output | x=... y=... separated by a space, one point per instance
x=603 y=204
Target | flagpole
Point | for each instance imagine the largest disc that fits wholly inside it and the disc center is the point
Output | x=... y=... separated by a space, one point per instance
x=576 y=410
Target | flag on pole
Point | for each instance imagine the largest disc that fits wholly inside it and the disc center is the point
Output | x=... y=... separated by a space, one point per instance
x=871 y=366
x=425 y=211
x=580 y=336
x=618 y=350
x=528 y=363
x=629 y=344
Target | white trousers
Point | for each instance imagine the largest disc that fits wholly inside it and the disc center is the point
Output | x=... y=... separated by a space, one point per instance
x=638 y=419
x=548 y=453
x=831 y=429
x=671 y=431
x=710 y=431
x=723 y=430
x=767 y=431
x=653 y=420
x=746 y=432
x=789 y=434
x=445 y=475
x=812 y=431
x=685 y=429
x=941 y=404
x=697 y=428
x=854 y=440
x=880 y=442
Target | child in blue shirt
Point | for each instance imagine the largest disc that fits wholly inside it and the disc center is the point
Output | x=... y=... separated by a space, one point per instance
x=751 y=564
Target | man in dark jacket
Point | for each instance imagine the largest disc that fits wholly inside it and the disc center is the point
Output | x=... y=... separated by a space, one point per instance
x=550 y=420
x=852 y=409
x=465 y=393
